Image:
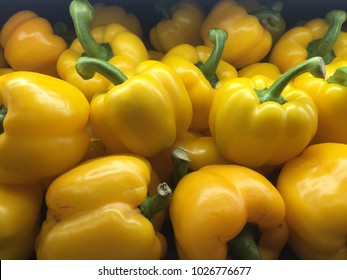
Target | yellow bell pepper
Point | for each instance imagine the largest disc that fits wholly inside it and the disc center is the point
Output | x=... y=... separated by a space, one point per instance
x=218 y=203
x=248 y=41
x=313 y=187
x=142 y=114
x=258 y=121
x=30 y=44
x=20 y=220
x=260 y=68
x=42 y=125
x=100 y=210
x=154 y=55
x=276 y=28
x=181 y=24
x=330 y=97
x=112 y=42
x=106 y=14
x=200 y=69
x=96 y=149
x=317 y=37
x=201 y=151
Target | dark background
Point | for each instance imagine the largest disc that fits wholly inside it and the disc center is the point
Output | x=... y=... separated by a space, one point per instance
x=58 y=10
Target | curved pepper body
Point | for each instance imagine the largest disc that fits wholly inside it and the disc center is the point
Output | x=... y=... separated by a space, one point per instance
x=201 y=150
x=43 y=127
x=260 y=68
x=30 y=44
x=183 y=59
x=93 y=213
x=292 y=47
x=19 y=219
x=248 y=41
x=144 y=114
x=331 y=102
x=106 y=14
x=183 y=27
x=255 y=134
x=211 y=206
x=127 y=48
x=276 y=29
x=313 y=187
x=340 y=47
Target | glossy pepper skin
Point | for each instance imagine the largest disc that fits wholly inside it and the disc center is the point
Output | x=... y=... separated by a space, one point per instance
x=248 y=41
x=318 y=37
x=106 y=14
x=313 y=187
x=20 y=219
x=330 y=97
x=201 y=151
x=30 y=44
x=112 y=42
x=181 y=24
x=211 y=206
x=93 y=213
x=258 y=121
x=260 y=68
x=144 y=113
x=201 y=69
x=43 y=121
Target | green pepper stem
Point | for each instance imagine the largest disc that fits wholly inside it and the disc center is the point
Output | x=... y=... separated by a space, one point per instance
x=324 y=47
x=268 y=17
x=277 y=6
x=86 y=67
x=217 y=37
x=339 y=77
x=314 y=65
x=60 y=28
x=3 y=111
x=82 y=12
x=272 y=20
x=162 y=7
x=181 y=161
x=158 y=202
x=244 y=245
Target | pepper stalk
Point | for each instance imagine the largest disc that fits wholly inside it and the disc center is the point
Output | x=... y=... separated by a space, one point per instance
x=158 y=202
x=163 y=8
x=181 y=162
x=86 y=67
x=271 y=20
x=82 y=12
x=314 y=65
x=339 y=77
x=218 y=38
x=244 y=245
x=324 y=47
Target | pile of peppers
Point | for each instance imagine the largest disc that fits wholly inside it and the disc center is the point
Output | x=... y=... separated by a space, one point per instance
x=213 y=134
